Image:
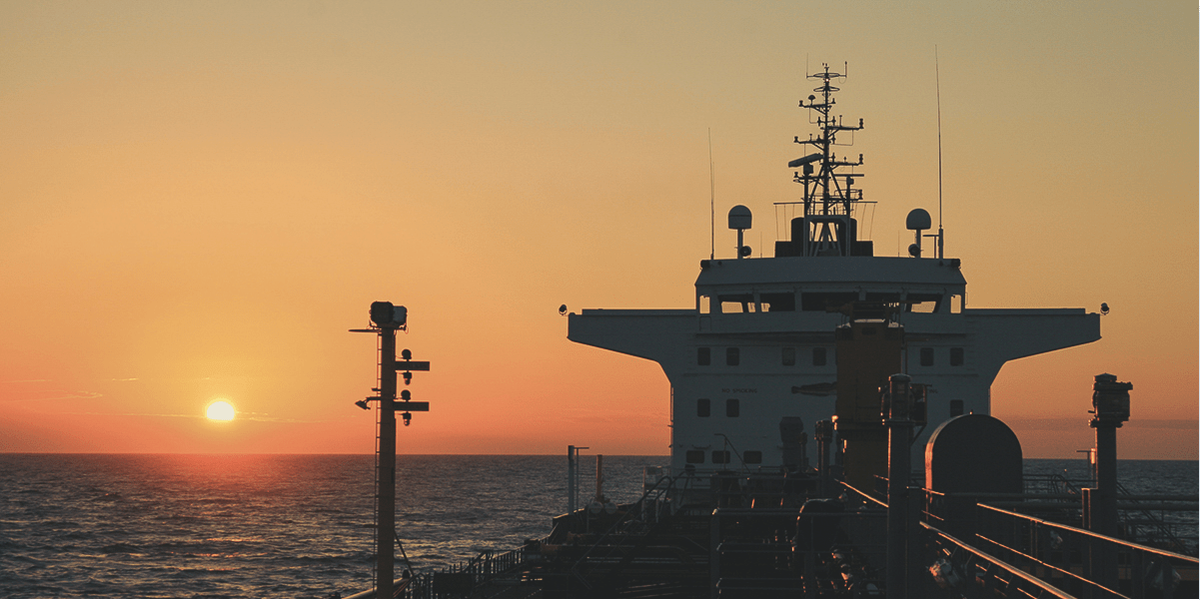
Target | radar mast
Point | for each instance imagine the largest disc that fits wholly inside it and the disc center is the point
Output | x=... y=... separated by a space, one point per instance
x=827 y=227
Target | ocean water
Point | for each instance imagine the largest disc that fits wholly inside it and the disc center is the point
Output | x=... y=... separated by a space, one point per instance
x=301 y=525
x=104 y=525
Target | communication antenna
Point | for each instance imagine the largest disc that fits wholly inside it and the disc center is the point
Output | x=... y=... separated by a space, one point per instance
x=712 y=202
x=937 y=81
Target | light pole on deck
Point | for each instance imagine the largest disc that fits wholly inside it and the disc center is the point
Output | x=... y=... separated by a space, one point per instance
x=903 y=407
x=387 y=319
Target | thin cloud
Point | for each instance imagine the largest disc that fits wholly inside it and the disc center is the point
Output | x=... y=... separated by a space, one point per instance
x=60 y=395
x=239 y=417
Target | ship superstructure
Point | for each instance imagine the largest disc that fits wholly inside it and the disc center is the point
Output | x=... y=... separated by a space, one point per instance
x=880 y=355
x=753 y=365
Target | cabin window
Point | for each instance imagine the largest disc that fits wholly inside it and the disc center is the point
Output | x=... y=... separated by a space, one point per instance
x=752 y=457
x=884 y=297
x=923 y=303
x=705 y=305
x=703 y=356
x=733 y=357
x=925 y=307
x=703 y=407
x=736 y=303
x=819 y=357
x=695 y=456
x=957 y=302
x=733 y=407
x=956 y=408
x=720 y=457
x=778 y=301
x=823 y=301
x=926 y=357
x=956 y=357
x=789 y=356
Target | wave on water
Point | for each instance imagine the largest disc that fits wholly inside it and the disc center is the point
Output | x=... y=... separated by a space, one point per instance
x=300 y=525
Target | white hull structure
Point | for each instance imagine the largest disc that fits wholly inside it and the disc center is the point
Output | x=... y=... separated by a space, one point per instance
x=755 y=359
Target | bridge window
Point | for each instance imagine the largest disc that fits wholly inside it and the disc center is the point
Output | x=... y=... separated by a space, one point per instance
x=956 y=357
x=926 y=357
x=720 y=457
x=752 y=457
x=884 y=297
x=733 y=357
x=705 y=304
x=819 y=357
x=733 y=407
x=695 y=456
x=736 y=303
x=703 y=356
x=789 y=356
x=924 y=303
x=822 y=301
x=778 y=301
x=703 y=407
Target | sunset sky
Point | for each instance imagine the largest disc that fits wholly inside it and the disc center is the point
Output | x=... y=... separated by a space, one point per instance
x=199 y=199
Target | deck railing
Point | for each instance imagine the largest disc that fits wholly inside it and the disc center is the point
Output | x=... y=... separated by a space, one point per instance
x=1080 y=561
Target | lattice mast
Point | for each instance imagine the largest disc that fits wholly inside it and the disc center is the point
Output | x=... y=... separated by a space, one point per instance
x=829 y=196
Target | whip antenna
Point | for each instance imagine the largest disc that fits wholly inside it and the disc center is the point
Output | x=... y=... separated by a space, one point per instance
x=937 y=82
x=712 y=202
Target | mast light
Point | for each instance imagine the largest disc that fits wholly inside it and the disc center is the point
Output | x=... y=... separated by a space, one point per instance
x=388 y=315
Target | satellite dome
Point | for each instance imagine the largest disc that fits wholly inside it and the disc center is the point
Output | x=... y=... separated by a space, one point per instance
x=918 y=219
x=739 y=217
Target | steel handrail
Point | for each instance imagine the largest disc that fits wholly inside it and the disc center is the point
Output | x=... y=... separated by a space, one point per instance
x=1194 y=561
x=1036 y=582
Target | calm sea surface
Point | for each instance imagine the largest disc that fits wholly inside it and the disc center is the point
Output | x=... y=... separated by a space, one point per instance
x=101 y=525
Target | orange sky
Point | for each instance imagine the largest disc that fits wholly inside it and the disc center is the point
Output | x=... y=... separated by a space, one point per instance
x=198 y=200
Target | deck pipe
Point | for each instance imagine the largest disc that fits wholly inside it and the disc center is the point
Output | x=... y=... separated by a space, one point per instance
x=824 y=436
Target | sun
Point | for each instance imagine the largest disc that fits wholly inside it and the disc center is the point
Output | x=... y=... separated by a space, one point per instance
x=220 y=411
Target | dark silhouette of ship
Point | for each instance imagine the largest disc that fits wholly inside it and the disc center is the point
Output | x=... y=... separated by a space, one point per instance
x=831 y=436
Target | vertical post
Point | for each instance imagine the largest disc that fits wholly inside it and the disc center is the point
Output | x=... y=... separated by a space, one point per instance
x=714 y=553
x=386 y=477
x=899 y=424
x=570 y=480
x=1106 y=519
x=600 y=478
x=1110 y=407
x=824 y=435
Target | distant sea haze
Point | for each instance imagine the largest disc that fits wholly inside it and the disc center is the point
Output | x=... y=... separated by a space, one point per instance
x=171 y=525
